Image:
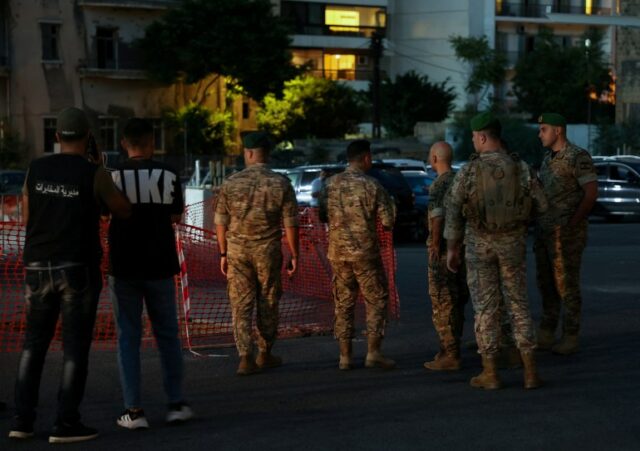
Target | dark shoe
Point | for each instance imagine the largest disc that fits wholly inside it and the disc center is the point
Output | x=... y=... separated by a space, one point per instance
x=21 y=429
x=247 y=366
x=546 y=338
x=179 y=413
x=531 y=378
x=268 y=360
x=71 y=433
x=567 y=345
x=345 y=362
x=445 y=362
x=374 y=358
x=488 y=379
x=133 y=419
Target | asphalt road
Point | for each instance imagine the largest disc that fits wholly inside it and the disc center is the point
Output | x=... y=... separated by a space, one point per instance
x=590 y=401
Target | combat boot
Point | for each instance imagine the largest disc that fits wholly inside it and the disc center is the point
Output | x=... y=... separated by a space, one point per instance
x=267 y=360
x=509 y=357
x=345 y=355
x=531 y=378
x=488 y=379
x=546 y=338
x=375 y=359
x=247 y=365
x=568 y=345
x=445 y=361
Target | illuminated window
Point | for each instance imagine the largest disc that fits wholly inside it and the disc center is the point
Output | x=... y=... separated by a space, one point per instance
x=340 y=67
x=341 y=19
x=588 y=7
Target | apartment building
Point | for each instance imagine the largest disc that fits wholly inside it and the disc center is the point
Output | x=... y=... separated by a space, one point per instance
x=80 y=53
x=333 y=38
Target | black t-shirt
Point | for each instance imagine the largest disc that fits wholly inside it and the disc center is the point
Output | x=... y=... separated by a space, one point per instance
x=64 y=215
x=143 y=246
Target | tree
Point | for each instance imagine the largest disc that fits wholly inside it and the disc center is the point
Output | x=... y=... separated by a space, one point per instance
x=412 y=98
x=564 y=79
x=311 y=107
x=488 y=66
x=207 y=132
x=241 y=39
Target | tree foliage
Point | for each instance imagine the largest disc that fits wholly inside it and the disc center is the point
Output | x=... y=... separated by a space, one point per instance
x=207 y=132
x=311 y=107
x=241 y=39
x=613 y=138
x=561 y=79
x=488 y=66
x=412 y=98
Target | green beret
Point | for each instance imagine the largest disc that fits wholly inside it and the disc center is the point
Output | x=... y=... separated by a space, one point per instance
x=255 y=140
x=552 y=119
x=484 y=120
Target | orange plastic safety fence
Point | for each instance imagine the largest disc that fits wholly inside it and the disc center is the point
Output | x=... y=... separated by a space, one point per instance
x=204 y=313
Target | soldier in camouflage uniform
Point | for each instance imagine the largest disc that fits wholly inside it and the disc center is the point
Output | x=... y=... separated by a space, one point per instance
x=249 y=211
x=353 y=202
x=490 y=204
x=447 y=290
x=570 y=183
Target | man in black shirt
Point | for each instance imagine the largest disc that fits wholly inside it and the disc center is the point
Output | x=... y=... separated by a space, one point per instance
x=143 y=265
x=62 y=197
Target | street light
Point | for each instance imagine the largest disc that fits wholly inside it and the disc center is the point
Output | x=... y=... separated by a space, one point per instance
x=587 y=45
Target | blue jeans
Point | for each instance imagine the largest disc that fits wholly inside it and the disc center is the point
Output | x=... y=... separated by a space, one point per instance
x=51 y=288
x=160 y=298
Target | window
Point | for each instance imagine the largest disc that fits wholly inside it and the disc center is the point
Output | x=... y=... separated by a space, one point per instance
x=340 y=67
x=319 y=18
x=620 y=173
x=50 y=41
x=601 y=170
x=106 y=48
x=49 y=134
x=108 y=137
x=245 y=110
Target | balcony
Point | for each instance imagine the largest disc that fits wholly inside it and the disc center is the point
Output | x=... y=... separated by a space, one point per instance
x=333 y=30
x=130 y=4
x=540 y=10
x=118 y=69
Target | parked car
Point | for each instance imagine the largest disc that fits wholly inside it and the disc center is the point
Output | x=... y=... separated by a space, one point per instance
x=408 y=218
x=618 y=187
x=407 y=164
x=419 y=181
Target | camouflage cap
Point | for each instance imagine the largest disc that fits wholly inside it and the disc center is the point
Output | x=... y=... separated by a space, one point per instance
x=555 y=119
x=484 y=120
x=255 y=140
x=72 y=123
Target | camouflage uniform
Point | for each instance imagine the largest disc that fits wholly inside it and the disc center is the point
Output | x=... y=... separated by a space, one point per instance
x=252 y=204
x=448 y=291
x=494 y=224
x=558 y=246
x=353 y=202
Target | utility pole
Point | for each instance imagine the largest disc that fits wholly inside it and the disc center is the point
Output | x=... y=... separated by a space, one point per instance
x=376 y=53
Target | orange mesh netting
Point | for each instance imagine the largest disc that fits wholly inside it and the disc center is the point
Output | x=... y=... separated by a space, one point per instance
x=306 y=306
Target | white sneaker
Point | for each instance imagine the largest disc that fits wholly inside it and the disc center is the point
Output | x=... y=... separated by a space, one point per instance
x=179 y=413
x=133 y=419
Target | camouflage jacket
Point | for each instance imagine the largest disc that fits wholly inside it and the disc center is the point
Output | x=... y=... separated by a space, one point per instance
x=254 y=204
x=462 y=217
x=437 y=194
x=354 y=201
x=562 y=175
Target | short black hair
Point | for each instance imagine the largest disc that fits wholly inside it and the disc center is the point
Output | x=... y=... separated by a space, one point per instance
x=493 y=131
x=357 y=149
x=137 y=131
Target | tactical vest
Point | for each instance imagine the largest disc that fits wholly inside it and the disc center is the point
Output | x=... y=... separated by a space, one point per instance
x=499 y=200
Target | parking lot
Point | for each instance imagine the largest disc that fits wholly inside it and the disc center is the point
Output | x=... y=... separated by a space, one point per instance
x=590 y=401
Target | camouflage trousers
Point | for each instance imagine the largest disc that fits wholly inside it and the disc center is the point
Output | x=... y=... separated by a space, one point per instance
x=254 y=277
x=449 y=295
x=558 y=258
x=496 y=270
x=369 y=276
